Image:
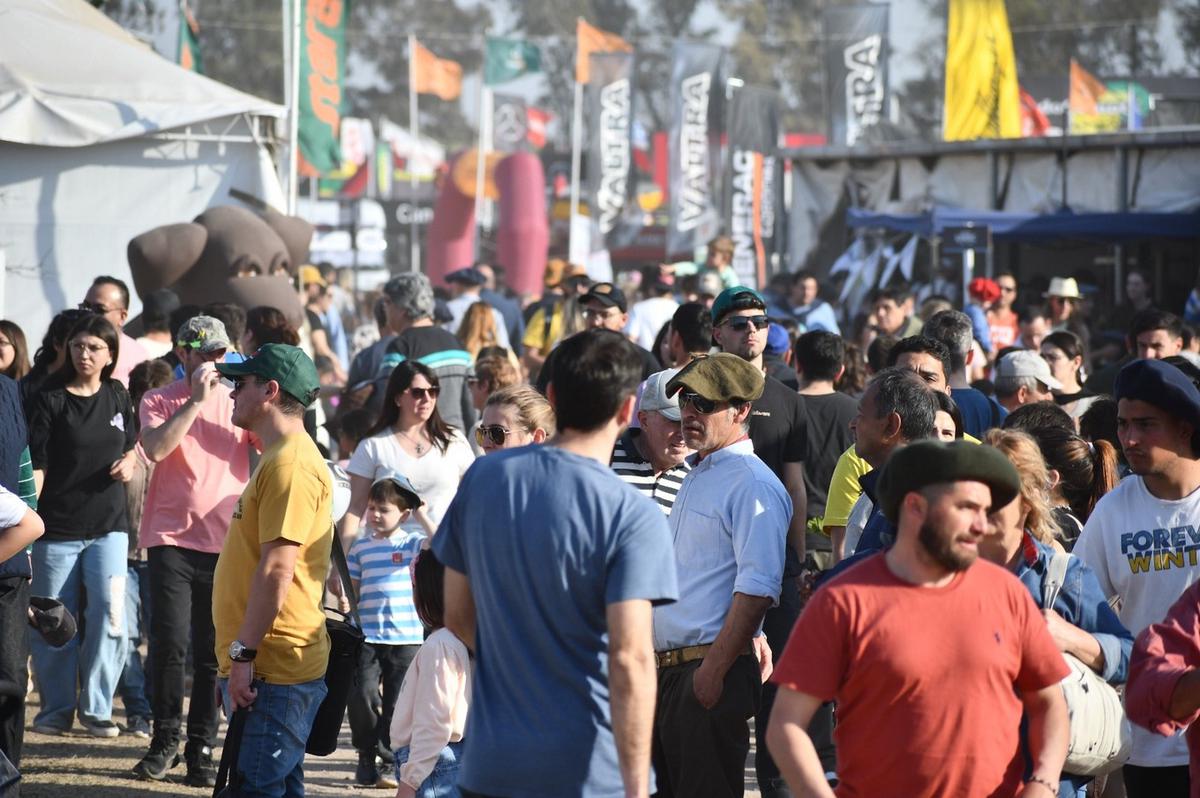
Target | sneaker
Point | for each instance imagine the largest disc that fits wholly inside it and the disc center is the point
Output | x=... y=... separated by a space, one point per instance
x=138 y=727
x=49 y=731
x=201 y=772
x=101 y=728
x=366 y=774
x=162 y=756
x=386 y=783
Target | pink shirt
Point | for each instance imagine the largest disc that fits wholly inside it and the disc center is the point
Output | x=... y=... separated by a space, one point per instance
x=129 y=355
x=194 y=489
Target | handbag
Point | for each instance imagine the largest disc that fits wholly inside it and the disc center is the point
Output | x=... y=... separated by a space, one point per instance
x=1100 y=736
x=229 y=780
x=345 y=642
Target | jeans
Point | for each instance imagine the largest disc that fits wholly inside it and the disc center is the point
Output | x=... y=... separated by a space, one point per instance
x=68 y=570
x=132 y=686
x=271 y=760
x=181 y=583
x=442 y=782
x=14 y=674
x=371 y=719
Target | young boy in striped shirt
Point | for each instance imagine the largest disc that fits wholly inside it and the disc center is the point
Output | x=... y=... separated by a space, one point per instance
x=380 y=562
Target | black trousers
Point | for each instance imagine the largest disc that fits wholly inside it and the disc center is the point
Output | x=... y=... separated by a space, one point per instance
x=1168 y=782
x=370 y=713
x=700 y=752
x=181 y=585
x=14 y=668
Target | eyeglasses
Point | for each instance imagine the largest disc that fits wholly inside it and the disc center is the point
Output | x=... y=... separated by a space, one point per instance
x=596 y=313
x=741 y=323
x=495 y=433
x=704 y=406
x=421 y=393
x=238 y=382
x=88 y=349
x=96 y=307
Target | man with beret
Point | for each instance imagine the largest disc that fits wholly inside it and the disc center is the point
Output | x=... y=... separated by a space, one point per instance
x=1143 y=537
x=931 y=653
x=271 y=644
x=729 y=524
x=466 y=287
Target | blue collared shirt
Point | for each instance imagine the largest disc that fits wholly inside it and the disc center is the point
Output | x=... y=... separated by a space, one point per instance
x=729 y=526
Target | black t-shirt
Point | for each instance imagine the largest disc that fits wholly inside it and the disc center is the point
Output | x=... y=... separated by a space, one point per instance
x=782 y=372
x=75 y=440
x=778 y=428
x=314 y=321
x=828 y=420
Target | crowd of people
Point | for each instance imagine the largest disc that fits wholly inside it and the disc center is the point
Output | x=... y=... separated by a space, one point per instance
x=590 y=536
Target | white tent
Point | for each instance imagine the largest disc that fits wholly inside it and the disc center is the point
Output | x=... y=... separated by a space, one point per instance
x=102 y=139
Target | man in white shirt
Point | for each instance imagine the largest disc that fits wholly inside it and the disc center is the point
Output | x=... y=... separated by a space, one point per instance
x=1143 y=538
x=646 y=318
x=466 y=285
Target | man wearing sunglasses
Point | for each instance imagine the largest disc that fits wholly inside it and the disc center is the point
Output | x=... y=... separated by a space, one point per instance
x=779 y=432
x=729 y=526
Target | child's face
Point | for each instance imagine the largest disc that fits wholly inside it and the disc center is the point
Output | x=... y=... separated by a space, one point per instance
x=385 y=516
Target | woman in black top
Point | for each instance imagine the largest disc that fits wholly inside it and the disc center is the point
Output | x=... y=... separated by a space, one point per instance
x=81 y=439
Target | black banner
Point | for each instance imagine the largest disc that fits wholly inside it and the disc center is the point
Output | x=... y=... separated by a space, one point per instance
x=754 y=183
x=856 y=65
x=510 y=123
x=697 y=91
x=612 y=181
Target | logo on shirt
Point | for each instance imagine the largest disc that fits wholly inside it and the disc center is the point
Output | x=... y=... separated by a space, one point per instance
x=237 y=513
x=1161 y=549
x=118 y=421
x=397 y=558
x=766 y=413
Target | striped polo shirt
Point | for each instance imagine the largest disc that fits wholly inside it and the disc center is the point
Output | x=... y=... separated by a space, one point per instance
x=628 y=464
x=383 y=568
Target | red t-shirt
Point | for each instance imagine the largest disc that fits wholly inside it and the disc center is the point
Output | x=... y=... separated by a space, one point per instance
x=926 y=679
x=1004 y=328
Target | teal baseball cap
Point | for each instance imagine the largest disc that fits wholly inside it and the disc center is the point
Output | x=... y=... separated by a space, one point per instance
x=287 y=365
x=738 y=297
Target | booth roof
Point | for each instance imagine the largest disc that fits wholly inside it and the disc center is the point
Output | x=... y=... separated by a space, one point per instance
x=1064 y=224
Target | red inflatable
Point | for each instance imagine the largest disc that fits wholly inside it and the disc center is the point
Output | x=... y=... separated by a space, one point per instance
x=524 y=233
x=450 y=242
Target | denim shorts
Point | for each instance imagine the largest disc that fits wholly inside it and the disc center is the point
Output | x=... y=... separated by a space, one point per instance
x=443 y=781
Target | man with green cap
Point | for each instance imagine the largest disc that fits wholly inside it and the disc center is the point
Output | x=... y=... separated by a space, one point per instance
x=272 y=648
x=729 y=526
x=932 y=654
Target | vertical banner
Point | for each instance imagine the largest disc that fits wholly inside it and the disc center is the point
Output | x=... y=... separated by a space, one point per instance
x=983 y=99
x=510 y=123
x=189 y=41
x=856 y=56
x=612 y=208
x=697 y=89
x=754 y=183
x=322 y=72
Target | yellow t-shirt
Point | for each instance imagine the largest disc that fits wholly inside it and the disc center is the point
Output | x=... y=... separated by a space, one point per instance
x=536 y=335
x=289 y=496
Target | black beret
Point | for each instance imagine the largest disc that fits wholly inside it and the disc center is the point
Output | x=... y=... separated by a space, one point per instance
x=924 y=463
x=1162 y=385
x=467 y=276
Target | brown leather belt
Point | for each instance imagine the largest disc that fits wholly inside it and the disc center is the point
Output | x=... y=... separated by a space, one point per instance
x=678 y=656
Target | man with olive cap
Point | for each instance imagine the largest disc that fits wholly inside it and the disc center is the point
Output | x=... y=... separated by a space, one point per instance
x=931 y=653
x=1143 y=537
x=729 y=526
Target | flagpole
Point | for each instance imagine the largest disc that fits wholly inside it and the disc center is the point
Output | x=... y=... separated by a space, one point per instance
x=480 y=158
x=413 y=129
x=576 y=166
x=292 y=14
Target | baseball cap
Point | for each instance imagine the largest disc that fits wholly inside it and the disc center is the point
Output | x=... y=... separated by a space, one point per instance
x=608 y=295
x=1025 y=363
x=467 y=276
x=287 y=365
x=311 y=274
x=52 y=620
x=654 y=395
x=203 y=334
x=721 y=377
x=739 y=297
x=777 y=340
x=401 y=482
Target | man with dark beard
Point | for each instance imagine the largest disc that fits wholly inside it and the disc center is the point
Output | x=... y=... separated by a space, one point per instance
x=930 y=654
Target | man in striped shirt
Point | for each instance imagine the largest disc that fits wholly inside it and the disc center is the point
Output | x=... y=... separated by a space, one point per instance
x=651 y=456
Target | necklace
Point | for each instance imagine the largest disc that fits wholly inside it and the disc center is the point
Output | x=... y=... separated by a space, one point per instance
x=420 y=447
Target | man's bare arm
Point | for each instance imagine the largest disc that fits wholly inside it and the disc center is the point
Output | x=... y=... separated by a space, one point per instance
x=460 y=606
x=268 y=589
x=21 y=534
x=792 y=748
x=633 y=686
x=793 y=482
x=1048 y=731
x=741 y=622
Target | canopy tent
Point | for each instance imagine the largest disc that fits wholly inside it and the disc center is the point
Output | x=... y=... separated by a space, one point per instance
x=102 y=139
x=1034 y=227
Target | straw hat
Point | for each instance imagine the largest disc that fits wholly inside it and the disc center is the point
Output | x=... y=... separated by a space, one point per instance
x=1063 y=287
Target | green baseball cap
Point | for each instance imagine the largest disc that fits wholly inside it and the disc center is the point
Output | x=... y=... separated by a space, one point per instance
x=738 y=297
x=287 y=365
x=721 y=377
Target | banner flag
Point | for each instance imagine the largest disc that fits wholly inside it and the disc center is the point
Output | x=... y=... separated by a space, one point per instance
x=612 y=179
x=590 y=40
x=509 y=59
x=322 y=75
x=856 y=56
x=536 y=120
x=754 y=184
x=1098 y=106
x=982 y=96
x=697 y=89
x=437 y=76
x=1034 y=122
x=510 y=123
x=189 y=40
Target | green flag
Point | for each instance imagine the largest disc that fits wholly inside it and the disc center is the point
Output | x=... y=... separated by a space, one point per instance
x=507 y=59
x=322 y=73
x=189 y=42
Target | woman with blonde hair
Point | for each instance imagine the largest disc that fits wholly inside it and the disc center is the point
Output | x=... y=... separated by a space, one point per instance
x=1020 y=537
x=478 y=329
x=514 y=416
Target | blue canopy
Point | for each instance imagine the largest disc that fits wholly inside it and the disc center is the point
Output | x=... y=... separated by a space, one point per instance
x=1107 y=227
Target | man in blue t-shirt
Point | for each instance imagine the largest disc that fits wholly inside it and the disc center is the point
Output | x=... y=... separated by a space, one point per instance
x=552 y=566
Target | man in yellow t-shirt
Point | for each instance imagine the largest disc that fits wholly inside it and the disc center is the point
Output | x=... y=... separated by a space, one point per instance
x=272 y=648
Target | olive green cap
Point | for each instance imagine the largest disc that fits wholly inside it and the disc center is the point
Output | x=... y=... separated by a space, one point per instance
x=287 y=365
x=924 y=463
x=722 y=378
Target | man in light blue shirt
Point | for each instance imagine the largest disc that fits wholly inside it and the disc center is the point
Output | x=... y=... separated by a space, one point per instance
x=729 y=525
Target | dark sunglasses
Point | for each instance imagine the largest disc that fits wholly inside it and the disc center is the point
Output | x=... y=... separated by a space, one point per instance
x=237 y=383
x=495 y=433
x=740 y=323
x=94 y=307
x=421 y=393
x=703 y=406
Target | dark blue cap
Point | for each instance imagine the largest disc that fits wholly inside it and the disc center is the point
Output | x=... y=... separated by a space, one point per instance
x=467 y=276
x=777 y=340
x=1162 y=385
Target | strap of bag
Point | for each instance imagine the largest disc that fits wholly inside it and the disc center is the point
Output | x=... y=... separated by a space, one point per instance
x=1056 y=575
x=227 y=770
x=343 y=569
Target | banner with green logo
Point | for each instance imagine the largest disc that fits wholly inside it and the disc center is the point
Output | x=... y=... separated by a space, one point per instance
x=322 y=72
x=508 y=59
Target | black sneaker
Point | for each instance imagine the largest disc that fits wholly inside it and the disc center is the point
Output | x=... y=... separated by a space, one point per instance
x=201 y=772
x=366 y=774
x=162 y=756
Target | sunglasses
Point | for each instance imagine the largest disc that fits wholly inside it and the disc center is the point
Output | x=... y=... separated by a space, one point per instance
x=95 y=307
x=421 y=393
x=740 y=323
x=237 y=383
x=495 y=434
x=704 y=407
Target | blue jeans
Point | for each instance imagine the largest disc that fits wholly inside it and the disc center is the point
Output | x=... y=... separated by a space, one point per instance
x=67 y=570
x=443 y=781
x=271 y=761
x=133 y=686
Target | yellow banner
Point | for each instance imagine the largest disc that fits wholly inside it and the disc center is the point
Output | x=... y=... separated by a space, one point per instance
x=982 y=96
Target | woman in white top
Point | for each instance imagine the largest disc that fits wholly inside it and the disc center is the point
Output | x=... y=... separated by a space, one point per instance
x=411 y=438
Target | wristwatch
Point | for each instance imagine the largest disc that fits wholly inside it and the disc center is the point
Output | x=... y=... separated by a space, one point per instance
x=239 y=653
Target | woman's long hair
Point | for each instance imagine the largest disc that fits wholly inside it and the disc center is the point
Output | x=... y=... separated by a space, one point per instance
x=1022 y=451
x=268 y=325
x=400 y=381
x=55 y=339
x=1086 y=471
x=1069 y=344
x=100 y=327
x=16 y=336
x=478 y=328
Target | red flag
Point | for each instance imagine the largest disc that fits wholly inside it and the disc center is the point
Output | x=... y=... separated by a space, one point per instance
x=1033 y=121
x=535 y=126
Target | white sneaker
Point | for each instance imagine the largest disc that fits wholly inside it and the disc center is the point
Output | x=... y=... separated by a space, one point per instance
x=101 y=728
x=138 y=727
x=49 y=731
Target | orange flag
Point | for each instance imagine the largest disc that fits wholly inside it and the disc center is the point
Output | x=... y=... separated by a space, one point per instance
x=590 y=40
x=439 y=76
x=1086 y=90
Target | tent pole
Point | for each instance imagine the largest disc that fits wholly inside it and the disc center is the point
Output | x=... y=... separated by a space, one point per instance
x=293 y=95
x=415 y=245
x=576 y=166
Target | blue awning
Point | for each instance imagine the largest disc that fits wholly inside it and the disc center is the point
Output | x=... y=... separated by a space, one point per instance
x=1106 y=227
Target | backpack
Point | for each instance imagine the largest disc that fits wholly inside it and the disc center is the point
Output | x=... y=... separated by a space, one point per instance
x=1100 y=735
